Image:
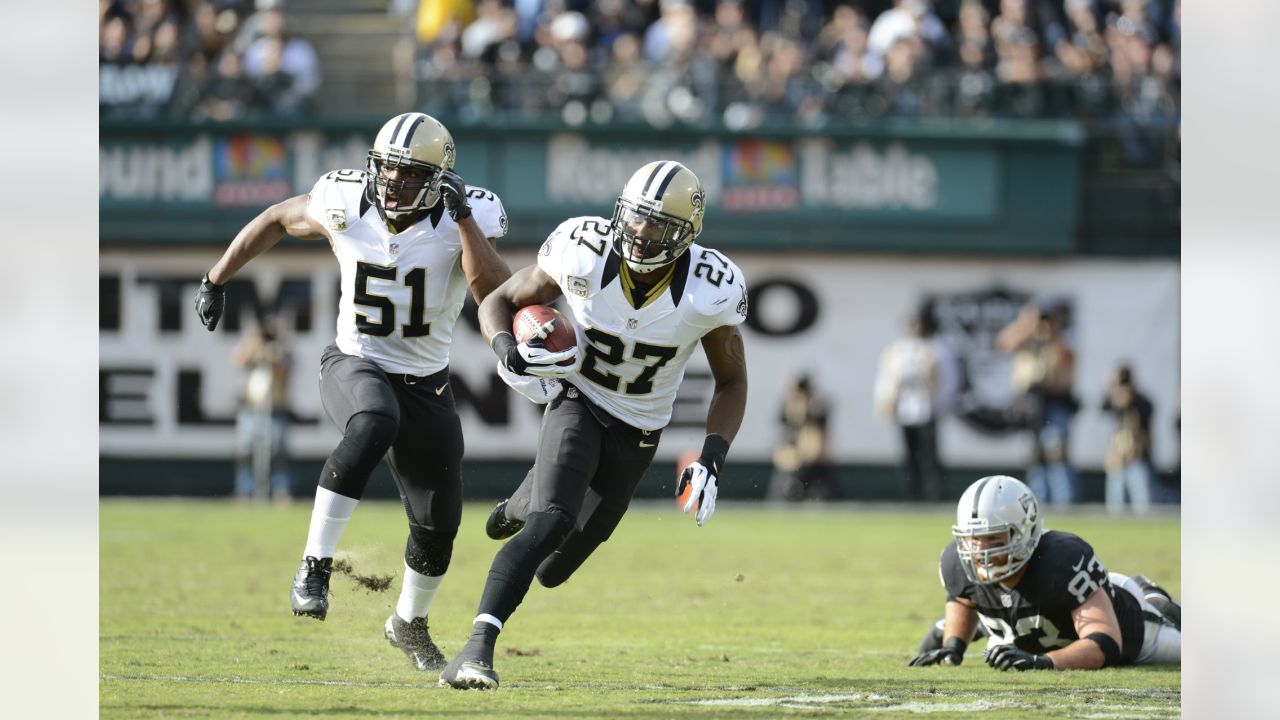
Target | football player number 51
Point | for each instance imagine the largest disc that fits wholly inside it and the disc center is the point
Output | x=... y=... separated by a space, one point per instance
x=415 y=279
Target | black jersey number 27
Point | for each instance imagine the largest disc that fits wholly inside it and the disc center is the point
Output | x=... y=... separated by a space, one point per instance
x=609 y=349
x=415 y=279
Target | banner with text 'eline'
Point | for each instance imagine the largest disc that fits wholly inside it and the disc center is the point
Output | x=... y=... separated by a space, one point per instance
x=168 y=387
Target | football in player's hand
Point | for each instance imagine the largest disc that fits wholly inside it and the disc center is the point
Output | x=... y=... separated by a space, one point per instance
x=551 y=325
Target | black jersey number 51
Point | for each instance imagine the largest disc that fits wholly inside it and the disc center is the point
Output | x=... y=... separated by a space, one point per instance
x=415 y=279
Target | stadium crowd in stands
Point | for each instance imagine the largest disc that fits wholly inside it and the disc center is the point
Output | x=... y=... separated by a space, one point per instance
x=205 y=59
x=740 y=62
x=744 y=62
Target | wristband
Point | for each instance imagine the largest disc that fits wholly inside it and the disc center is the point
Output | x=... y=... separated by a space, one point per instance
x=502 y=343
x=714 y=450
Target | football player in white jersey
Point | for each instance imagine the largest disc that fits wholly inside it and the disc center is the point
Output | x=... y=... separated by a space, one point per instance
x=641 y=295
x=411 y=239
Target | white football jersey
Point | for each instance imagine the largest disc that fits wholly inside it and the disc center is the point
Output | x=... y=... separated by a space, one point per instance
x=633 y=360
x=401 y=292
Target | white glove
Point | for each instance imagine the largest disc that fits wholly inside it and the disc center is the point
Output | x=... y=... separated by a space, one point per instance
x=544 y=363
x=703 y=493
x=538 y=389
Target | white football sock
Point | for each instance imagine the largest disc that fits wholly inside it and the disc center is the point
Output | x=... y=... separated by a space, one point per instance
x=329 y=518
x=416 y=594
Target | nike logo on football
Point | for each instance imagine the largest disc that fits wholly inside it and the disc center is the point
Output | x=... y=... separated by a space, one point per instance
x=440 y=390
x=1078 y=565
x=645 y=444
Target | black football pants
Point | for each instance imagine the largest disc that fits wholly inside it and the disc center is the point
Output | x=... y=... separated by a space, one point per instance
x=425 y=456
x=587 y=468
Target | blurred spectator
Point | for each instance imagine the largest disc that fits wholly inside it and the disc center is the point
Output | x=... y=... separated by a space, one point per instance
x=275 y=50
x=228 y=93
x=801 y=465
x=262 y=421
x=443 y=20
x=1128 y=461
x=275 y=90
x=916 y=383
x=912 y=21
x=1045 y=401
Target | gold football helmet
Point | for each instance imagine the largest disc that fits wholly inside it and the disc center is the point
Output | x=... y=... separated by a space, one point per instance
x=658 y=215
x=408 y=142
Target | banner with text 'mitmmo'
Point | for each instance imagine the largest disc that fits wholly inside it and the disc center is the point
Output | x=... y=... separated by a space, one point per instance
x=169 y=388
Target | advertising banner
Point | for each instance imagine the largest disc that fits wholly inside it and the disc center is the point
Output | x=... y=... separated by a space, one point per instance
x=196 y=185
x=168 y=387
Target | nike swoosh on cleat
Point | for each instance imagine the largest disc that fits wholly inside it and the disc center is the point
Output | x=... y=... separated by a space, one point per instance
x=645 y=444
x=440 y=390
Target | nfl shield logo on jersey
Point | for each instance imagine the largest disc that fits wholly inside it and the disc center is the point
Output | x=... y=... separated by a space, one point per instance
x=337 y=219
x=393 y=248
x=1006 y=599
x=578 y=285
x=632 y=324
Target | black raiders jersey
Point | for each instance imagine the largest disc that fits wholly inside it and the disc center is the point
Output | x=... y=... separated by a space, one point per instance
x=1036 y=615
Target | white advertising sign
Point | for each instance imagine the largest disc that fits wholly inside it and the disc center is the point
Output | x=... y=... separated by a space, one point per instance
x=168 y=387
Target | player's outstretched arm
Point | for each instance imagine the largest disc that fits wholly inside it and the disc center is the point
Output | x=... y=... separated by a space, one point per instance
x=261 y=234
x=960 y=621
x=699 y=483
x=728 y=359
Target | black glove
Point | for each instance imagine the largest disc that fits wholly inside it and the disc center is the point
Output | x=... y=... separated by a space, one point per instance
x=950 y=654
x=454 y=193
x=1005 y=657
x=210 y=299
x=532 y=356
x=504 y=346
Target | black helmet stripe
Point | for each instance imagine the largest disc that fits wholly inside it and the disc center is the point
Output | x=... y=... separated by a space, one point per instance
x=399 y=125
x=649 y=183
x=666 y=171
x=408 y=135
x=977 y=495
x=671 y=175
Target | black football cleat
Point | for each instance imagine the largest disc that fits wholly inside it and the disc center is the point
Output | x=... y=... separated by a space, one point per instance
x=1161 y=600
x=469 y=674
x=310 y=595
x=415 y=641
x=498 y=526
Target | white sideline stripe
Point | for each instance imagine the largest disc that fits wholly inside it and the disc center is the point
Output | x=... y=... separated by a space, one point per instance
x=990 y=701
x=236 y=680
x=944 y=707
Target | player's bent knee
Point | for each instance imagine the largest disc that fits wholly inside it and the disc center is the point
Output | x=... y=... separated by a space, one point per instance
x=554 y=523
x=374 y=431
x=367 y=437
x=564 y=562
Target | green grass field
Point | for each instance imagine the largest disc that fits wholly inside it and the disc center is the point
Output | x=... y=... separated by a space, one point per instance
x=764 y=612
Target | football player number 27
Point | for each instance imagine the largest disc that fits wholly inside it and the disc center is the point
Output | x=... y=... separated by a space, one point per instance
x=608 y=349
x=415 y=279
